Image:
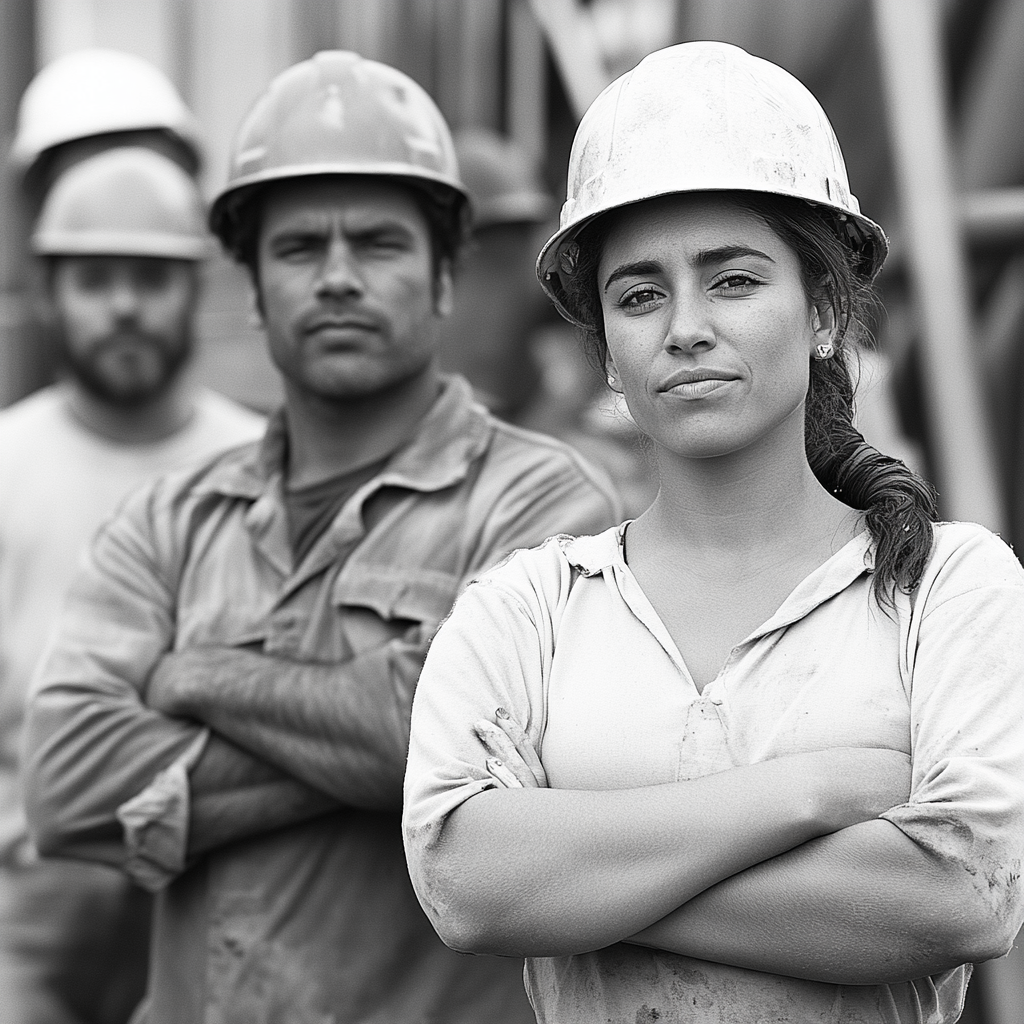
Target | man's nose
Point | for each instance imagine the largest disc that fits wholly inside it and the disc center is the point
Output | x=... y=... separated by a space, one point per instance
x=124 y=300
x=340 y=274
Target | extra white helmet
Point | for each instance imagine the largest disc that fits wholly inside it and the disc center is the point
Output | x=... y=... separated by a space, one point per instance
x=699 y=117
x=127 y=201
x=95 y=92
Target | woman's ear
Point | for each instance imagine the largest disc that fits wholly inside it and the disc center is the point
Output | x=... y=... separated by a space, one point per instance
x=612 y=373
x=823 y=325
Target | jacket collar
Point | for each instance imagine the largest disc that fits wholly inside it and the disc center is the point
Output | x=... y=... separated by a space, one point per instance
x=453 y=433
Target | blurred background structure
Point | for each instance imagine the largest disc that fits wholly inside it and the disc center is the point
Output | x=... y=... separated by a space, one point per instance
x=927 y=98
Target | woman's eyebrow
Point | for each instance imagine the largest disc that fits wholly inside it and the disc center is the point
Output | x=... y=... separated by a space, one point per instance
x=632 y=270
x=707 y=257
x=701 y=258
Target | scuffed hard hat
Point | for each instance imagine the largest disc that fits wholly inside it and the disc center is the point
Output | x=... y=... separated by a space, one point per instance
x=502 y=183
x=698 y=117
x=126 y=201
x=96 y=92
x=340 y=114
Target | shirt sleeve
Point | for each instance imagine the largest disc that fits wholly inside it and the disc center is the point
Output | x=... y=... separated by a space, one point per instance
x=493 y=651
x=156 y=822
x=965 y=663
x=92 y=743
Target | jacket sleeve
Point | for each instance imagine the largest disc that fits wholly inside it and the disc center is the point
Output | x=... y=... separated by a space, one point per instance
x=92 y=743
x=526 y=498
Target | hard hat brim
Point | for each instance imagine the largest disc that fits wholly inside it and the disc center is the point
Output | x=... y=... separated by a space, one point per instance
x=439 y=184
x=866 y=235
x=119 y=243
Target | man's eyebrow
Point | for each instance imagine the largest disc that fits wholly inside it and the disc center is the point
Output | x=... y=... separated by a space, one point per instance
x=702 y=258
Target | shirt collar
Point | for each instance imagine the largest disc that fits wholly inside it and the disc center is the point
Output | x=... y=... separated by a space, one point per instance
x=596 y=554
x=449 y=438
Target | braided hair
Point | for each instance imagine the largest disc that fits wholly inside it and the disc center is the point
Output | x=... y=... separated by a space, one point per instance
x=899 y=507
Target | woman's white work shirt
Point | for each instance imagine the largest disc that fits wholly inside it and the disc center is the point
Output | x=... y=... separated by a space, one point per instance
x=582 y=661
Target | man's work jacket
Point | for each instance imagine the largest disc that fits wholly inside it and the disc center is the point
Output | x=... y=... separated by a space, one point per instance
x=315 y=922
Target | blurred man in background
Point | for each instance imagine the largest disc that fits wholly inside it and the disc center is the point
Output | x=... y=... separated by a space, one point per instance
x=121 y=236
x=525 y=364
x=224 y=711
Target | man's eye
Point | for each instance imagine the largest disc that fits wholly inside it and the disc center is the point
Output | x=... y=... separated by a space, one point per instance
x=292 y=249
x=385 y=244
x=152 y=278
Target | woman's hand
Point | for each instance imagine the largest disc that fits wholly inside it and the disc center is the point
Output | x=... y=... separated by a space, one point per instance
x=513 y=763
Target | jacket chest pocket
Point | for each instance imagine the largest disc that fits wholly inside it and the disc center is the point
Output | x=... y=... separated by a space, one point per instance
x=383 y=602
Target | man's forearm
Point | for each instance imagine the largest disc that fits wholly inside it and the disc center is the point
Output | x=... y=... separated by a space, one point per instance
x=865 y=905
x=234 y=795
x=342 y=729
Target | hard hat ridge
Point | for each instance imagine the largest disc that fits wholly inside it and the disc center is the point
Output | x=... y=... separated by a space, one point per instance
x=127 y=201
x=340 y=114
x=696 y=117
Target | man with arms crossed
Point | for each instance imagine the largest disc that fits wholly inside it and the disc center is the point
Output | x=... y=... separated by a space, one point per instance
x=121 y=235
x=224 y=713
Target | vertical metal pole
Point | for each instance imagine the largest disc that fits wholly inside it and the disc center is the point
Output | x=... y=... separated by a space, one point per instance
x=910 y=49
x=526 y=100
x=19 y=369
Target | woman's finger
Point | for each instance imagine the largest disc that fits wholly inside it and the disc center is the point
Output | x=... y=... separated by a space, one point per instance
x=523 y=746
x=500 y=771
x=501 y=747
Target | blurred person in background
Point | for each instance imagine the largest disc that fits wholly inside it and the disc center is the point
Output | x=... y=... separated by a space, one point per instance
x=757 y=754
x=121 y=237
x=524 y=366
x=224 y=710
x=91 y=100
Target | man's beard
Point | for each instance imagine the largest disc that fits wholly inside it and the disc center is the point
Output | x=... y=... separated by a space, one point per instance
x=172 y=353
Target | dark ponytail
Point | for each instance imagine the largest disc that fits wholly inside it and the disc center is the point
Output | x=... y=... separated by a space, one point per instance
x=899 y=507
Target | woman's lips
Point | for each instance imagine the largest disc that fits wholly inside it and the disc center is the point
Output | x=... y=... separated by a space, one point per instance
x=695 y=389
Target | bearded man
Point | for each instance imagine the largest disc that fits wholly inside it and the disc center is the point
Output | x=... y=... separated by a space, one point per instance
x=122 y=236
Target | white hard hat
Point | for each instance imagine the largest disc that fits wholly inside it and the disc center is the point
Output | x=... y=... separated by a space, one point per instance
x=699 y=117
x=94 y=92
x=126 y=201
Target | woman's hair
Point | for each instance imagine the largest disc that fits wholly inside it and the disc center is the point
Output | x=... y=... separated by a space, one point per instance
x=899 y=506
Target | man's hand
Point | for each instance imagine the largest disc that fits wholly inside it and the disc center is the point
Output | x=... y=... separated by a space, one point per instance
x=513 y=761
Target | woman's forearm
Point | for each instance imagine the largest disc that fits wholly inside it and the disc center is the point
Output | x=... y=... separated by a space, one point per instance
x=865 y=905
x=546 y=872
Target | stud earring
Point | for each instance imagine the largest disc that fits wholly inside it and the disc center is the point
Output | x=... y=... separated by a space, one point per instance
x=825 y=351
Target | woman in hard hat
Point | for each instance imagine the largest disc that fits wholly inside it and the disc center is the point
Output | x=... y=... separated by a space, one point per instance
x=759 y=753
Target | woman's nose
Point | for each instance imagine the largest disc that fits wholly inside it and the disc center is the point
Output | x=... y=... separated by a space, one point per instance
x=691 y=326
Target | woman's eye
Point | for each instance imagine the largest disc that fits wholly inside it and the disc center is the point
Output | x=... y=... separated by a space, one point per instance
x=736 y=283
x=639 y=298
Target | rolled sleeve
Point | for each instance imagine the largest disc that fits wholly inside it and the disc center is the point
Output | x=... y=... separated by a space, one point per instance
x=491 y=652
x=92 y=743
x=156 y=821
x=966 y=665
